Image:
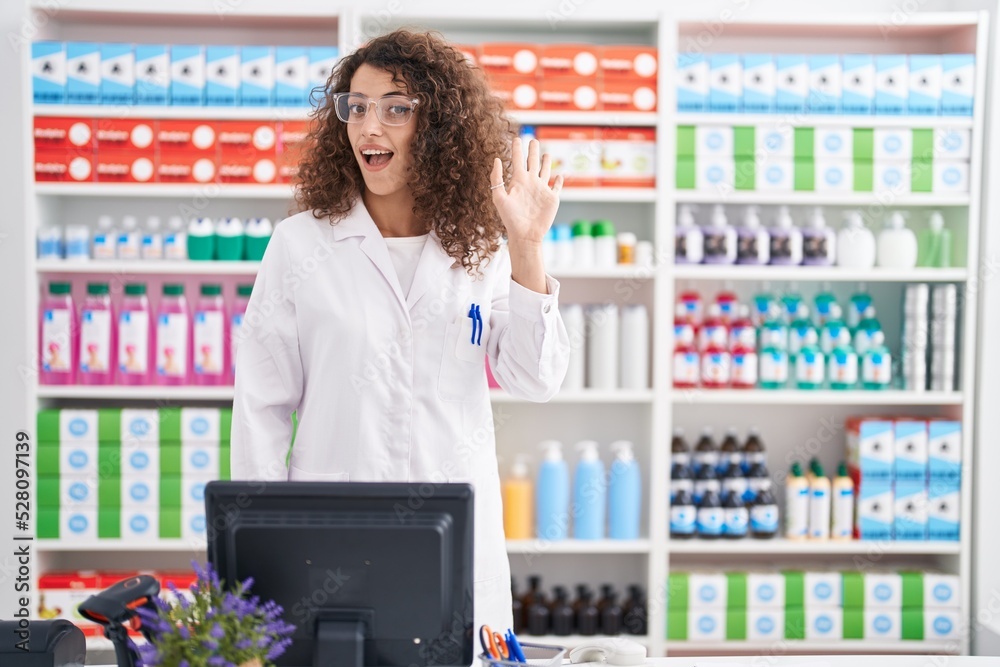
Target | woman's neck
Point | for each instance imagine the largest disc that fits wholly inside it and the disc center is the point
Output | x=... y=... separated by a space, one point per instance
x=393 y=214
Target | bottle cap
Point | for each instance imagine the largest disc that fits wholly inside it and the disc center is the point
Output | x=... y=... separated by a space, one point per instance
x=135 y=289
x=842 y=469
x=59 y=288
x=678 y=432
x=520 y=468
x=97 y=289
x=626 y=239
x=105 y=222
x=244 y=290
x=622 y=449
x=818 y=470
x=582 y=228
x=175 y=222
x=552 y=449
x=784 y=218
x=685 y=217
x=719 y=216
x=816 y=220
x=129 y=222
x=602 y=228
x=936 y=221
x=896 y=220
x=854 y=220
x=173 y=290
x=796 y=469
x=751 y=219
x=563 y=232
x=587 y=450
x=211 y=290
x=153 y=222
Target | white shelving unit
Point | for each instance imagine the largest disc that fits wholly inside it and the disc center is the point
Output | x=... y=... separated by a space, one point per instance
x=647 y=417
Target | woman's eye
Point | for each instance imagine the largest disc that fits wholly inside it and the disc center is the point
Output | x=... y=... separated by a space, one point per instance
x=399 y=109
x=356 y=109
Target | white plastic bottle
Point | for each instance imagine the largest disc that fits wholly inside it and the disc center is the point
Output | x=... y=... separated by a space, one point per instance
x=175 y=241
x=897 y=244
x=105 y=244
x=77 y=242
x=786 y=240
x=855 y=244
x=50 y=242
x=796 y=504
x=688 y=239
x=152 y=239
x=634 y=347
x=819 y=506
x=843 y=505
x=602 y=347
x=230 y=239
x=720 y=238
x=129 y=239
x=573 y=319
x=583 y=245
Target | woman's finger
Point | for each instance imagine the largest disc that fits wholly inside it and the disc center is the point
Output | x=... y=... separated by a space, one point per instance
x=516 y=157
x=496 y=178
x=533 y=157
x=558 y=185
x=546 y=171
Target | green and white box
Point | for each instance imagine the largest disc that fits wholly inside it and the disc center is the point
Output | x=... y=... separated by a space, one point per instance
x=952 y=143
x=713 y=141
x=891 y=176
x=715 y=174
x=193 y=491
x=941 y=591
x=140 y=524
x=823 y=589
x=78 y=459
x=893 y=143
x=77 y=491
x=140 y=492
x=193 y=523
x=705 y=624
x=140 y=426
x=942 y=624
x=883 y=623
x=708 y=590
x=833 y=142
x=834 y=175
x=765 y=590
x=950 y=176
x=765 y=624
x=78 y=427
x=78 y=524
x=200 y=425
x=883 y=589
x=775 y=174
x=200 y=460
x=140 y=459
x=774 y=140
x=824 y=623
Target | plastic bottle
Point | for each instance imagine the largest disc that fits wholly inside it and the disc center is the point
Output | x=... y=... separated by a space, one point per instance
x=810 y=364
x=236 y=318
x=605 y=244
x=705 y=480
x=753 y=242
x=713 y=331
x=792 y=301
x=589 y=493
x=819 y=506
x=77 y=242
x=201 y=239
x=706 y=452
x=897 y=244
x=680 y=452
x=563 y=251
x=175 y=240
x=842 y=367
x=626 y=248
x=602 y=347
x=742 y=331
x=563 y=618
x=819 y=242
x=735 y=516
x=773 y=355
x=583 y=245
x=518 y=502
x=858 y=306
x=763 y=302
x=876 y=364
x=834 y=333
x=865 y=333
x=576 y=327
x=210 y=338
x=173 y=337
x=764 y=513
x=97 y=337
x=689 y=241
x=152 y=239
x=634 y=347
x=729 y=450
x=230 y=239
x=258 y=234
x=57 y=336
x=625 y=493
x=786 y=240
x=105 y=241
x=743 y=346
x=687 y=363
x=710 y=515
x=843 y=505
x=644 y=254
x=716 y=367
x=129 y=239
x=855 y=244
x=50 y=242
x=552 y=493
x=754 y=451
x=612 y=616
x=800 y=330
x=814 y=465
x=690 y=299
x=822 y=303
x=683 y=516
x=728 y=304
x=734 y=480
x=720 y=238
x=796 y=504
x=934 y=244
x=134 y=336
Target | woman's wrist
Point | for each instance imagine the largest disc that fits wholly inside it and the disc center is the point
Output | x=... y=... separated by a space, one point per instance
x=527 y=268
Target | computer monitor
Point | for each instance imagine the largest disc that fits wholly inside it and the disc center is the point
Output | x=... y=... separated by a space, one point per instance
x=371 y=574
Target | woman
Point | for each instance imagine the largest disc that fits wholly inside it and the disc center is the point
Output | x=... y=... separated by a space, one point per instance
x=374 y=307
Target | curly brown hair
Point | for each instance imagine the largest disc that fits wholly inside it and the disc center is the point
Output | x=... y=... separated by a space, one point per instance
x=461 y=128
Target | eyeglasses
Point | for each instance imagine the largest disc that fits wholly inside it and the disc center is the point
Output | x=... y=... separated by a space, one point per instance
x=390 y=109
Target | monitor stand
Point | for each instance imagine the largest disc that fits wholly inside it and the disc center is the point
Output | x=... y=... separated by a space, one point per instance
x=340 y=637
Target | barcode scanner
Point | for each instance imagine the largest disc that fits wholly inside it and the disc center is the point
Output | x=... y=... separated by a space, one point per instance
x=115 y=609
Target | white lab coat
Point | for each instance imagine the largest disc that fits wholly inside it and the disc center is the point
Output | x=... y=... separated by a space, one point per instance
x=387 y=387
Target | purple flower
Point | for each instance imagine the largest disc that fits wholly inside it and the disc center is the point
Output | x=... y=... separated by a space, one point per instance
x=278 y=649
x=183 y=663
x=263 y=642
x=217 y=632
x=217 y=661
x=210 y=644
x=184 y=632
x=244 y=644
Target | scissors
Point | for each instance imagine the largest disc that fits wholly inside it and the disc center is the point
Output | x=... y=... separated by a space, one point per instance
x=494 y=645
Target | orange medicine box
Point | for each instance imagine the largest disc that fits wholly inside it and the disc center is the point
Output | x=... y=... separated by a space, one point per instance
x=517 y=92
x=186 y=135
x=628 y=62
x=509 y=58
x=292 y=138
x=629 y=158
x=568 y=95
x=55 y=132
x=627 y=95
x=569 y=60
x=575 y=152
x=249 y=168
x=128 y=134
x=185 y=167
x=64 y=165
x=471 y=53
x=247 y=137
x=118 y=166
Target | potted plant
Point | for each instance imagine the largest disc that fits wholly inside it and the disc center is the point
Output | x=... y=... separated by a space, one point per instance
x=217 y=628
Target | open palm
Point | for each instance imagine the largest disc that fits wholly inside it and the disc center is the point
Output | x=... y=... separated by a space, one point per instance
x=528 y=206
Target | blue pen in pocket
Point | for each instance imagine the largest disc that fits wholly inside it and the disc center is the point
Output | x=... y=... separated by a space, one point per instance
x=472 y=316
x=479 y=319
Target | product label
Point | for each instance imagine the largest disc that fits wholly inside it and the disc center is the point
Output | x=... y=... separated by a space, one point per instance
x=56 y=341
x=863 y=340
x=877 y=368
x=712 y=335
x=716 y=245
x=738 y=485
x=703 y=486
x=743 y=336
x=235 y=330
x=128 y=246
x=686 y=368
x=716 y=367
x=774 y=367
x=844 y=367
x=133 y=342
x=815 y=248
x=809 y=367
x=799 y=337
x=175 y=246
x=104 y=246
x=843 y=513
x=208 y=343
x=747 y=249
x=710 y=521
x=735 y=521
x=95 y=341
x=781 y=248
x=797 y=514
x=682 y=520
x=764 y=519
x=678 y=485
x=745 y=369
x=172 y=344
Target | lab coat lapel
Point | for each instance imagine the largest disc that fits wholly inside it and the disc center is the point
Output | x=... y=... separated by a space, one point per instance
x=359 y=223
x=434 y=261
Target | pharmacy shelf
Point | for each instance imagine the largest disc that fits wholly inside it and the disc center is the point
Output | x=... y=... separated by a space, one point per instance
x=135 y=112
x=584 y=396
x=133 y=392
x=572 y=641
x=201 y=190
x=177 y=545
x=148 y=267
x=541 y=547
x=819 y=273
x=609 y=195
x=813 y=397
x=629 y=272
x=590 y=118
x=866 y=548
x=820 y=120
x=797 y=646
x=880 y=200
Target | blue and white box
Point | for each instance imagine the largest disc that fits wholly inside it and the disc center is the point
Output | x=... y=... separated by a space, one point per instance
x=193 y=523
x=78 y=427
x=708 y=591
x=140 y=426
x=140 y=491
x=79 y=459
x=725 y=87
x=48 y=72
x=834 y=175
x=222 y=76
x=706 y=624
x=117 y=74
x=942 y=591
x=141 y=459
x=692 y=82
x=883 y=589
x=775 y=139
x=910 y=514
x=824 y=84
x=824 y=623
x=833 y=142
x=791 y=84
x=83 y=73
x=823 y=589
x=875 y=510
x=944 y=460
x=140 y=523
x=892 y=176
x=713 y=141
x=766 y=623
x=950 y=176
x=193 y=490
x=892 y=85
x=257 y=76
x=925 y=85
x=716 y=174
x=77 y=490
x=944 y=515
x=78 y=524
x=775 y=174
x=886 y=624
x=187 y=75
x=758 y=83
x=152 y=74
x=291 y=76
x=765 y=589
x=893 y=143
x=858 y=85
x=958 y=84
x=200 y=426
x=872 y=449
x=322 y=60
x=942 y=624
x=199 y=461
x=952 y=144
x=911 y=451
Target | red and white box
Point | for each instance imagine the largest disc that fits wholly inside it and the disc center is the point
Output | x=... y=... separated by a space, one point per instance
x=629 y=158
x=511 y=59
x=568 y=95
x=119 y=166
x=53 y=132
x=248 y=168
x=292 y=139
x=517 y=92
x=247 y=137
x=628 y=62
x=575 y=152
x=194 y=136
x=627 y=95
x=61 y=593
x=569 y=60
x=64 y=165
x=185 y=167
x=471 y=53
x=126 y=134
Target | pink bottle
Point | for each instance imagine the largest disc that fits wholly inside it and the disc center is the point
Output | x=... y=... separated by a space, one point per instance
x=713 y=331
x=134 y=336
x=173 y=337
x=210 y=338
x=243 y=293
x=691 y=300
x=716 y=366
x=686 y=360
x=57 y=336
x=728 y=303
x=97 y=337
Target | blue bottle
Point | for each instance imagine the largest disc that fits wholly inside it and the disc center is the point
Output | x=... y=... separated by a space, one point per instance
x=589 y=494
x=625 y=493
x=552 y=494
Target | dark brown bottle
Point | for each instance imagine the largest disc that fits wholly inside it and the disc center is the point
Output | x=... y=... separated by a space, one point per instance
x=634 y=612
x=729 y=450
x=517 y=608
x=563 y=618
x=539 y=616
x=588 y=619
x=706 y=452
x=680 y=452
x=581 y=591
x=753 y=450
x=606 y=591
x=528 y=599
x=611 y=616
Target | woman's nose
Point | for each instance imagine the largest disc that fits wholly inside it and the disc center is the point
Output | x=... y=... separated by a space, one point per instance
x=371 y=126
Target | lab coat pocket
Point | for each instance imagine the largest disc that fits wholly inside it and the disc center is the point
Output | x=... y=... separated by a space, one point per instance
x=300 y=475
x=462 y=368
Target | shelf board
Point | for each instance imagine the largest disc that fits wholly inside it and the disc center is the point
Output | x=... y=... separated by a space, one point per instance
x=781 y=547
x=137 y=392
x=822 y=120
x=821 y=198
x=172 y=113
x=793 y=646
x=820 y=273
x=589 y=118
x=609 y=194
x=572 y=641
x=208 y=190
x=585 y=396
x=814 y=397
x=148 y=267
x=541 y=547
x=179 y=545
x=631 y=272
